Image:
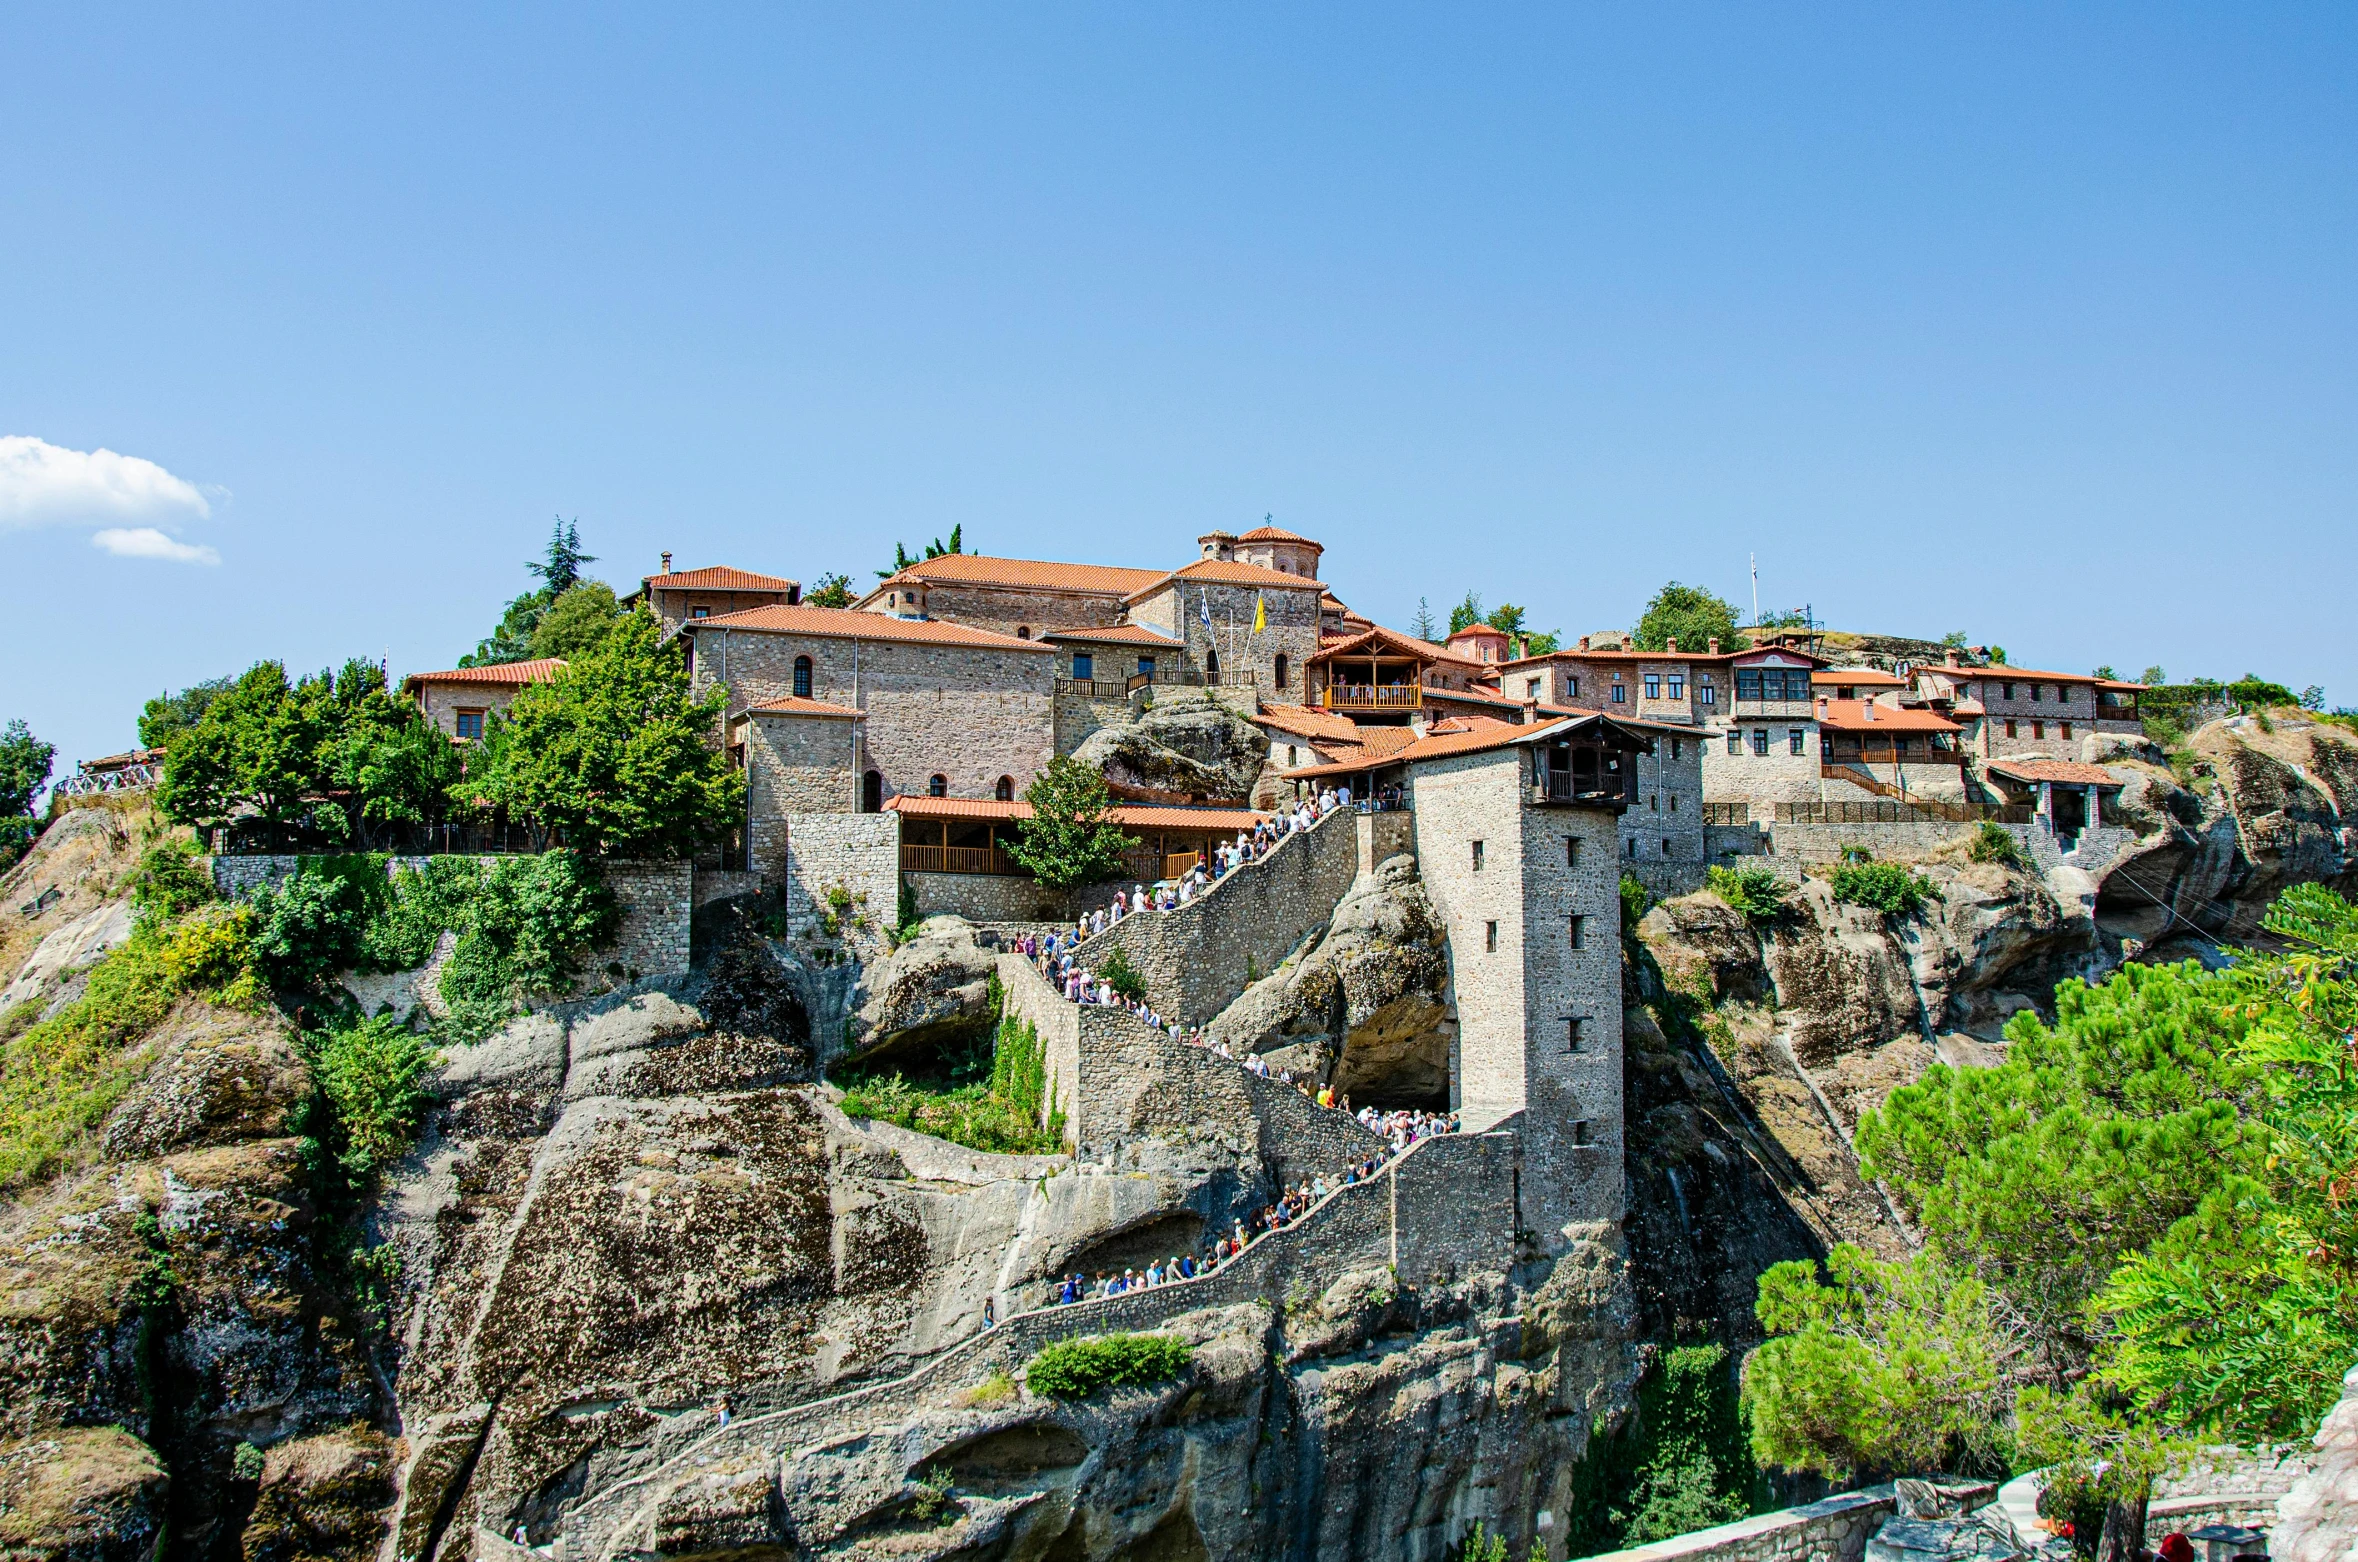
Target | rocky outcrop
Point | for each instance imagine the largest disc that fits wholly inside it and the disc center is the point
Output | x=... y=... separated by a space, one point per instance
x=1187 y=746
x=1367 y=1006
x=933 y=989
x=322 y=1499
x=81 y=1494
x=2315 y=1520
x=62 y=904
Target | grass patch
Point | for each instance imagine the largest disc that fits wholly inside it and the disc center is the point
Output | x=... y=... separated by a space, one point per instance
x=59 y=1077
x=997 y=1097
x=1993 y=842
x=1883 y=886
x=1076 y=1369
x=1754 y=893
x=997 y=1389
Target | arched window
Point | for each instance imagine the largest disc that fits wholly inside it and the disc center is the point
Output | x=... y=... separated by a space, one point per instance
x=1211 y=661
x=872 y=792
x=802 y=677
x=1023 y=631
x=1280 y=669
x=1005 y=790
x=939 y=786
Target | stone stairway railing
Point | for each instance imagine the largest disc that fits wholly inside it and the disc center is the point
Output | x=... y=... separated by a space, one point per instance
x=1442 y=1207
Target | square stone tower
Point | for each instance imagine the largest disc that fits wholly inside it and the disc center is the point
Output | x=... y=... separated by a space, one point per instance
x=1518 y=840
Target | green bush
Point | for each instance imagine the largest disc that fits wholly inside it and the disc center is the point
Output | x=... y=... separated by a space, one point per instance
x=1635 y=900
x=1881 y=886
x=1755 y=893
x=1076 y=1369
x=1682 y=1464
x=1123 y=977
x=307 y=927
x=1993 y=843
x=1003 y=1116
x=168 y=882
x=368 y=1073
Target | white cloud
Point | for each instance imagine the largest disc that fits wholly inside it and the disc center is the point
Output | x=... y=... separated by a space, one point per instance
x=42 y=484
x=145 y=542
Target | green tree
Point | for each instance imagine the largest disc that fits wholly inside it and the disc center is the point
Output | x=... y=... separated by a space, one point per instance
x=1954 y=640
x=1690 y=615
x=1884 y=1369
x=25 y=763
x=831 y=591
x=2099 y=1461
x=387 y=767
x=2104 y=671
x=168 y=715
x=2086 y=1145
x=2153 y=677
x=256 y=747
x=1071 y=837
x=1467 y=613
x=1423 y=625
x=613 y=756
x=576 y=621
x=559 y=570
x=935 y=549
x=1508 y=619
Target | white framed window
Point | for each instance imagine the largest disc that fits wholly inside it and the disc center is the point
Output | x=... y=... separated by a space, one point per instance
x=1653 y=686
x=1678 y=686
x=1797 y=741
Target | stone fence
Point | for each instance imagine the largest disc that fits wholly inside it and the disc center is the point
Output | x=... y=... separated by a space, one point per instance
x=1198 y=957
x=1836 y=1529
x=1443 y=1209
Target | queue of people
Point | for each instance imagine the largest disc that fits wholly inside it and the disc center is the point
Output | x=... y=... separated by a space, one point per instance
x=1250 y=846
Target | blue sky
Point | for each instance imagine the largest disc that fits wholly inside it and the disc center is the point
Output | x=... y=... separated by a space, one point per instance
x=2030 y=321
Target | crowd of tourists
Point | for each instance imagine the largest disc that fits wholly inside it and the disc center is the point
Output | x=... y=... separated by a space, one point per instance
x=1250 y=846
x=1400 y=1129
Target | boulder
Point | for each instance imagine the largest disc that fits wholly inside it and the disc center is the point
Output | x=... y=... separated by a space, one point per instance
x=73 y=947
x=222 y=1075
x=1188 y=745
x=322 y=1499
x=81 y=1494
x=932 y=989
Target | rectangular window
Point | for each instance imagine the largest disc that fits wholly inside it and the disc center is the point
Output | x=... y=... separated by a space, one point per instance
x=1748 y=683
x=1572 y=1029
x=1477 y=856
x=1735 y=742
x=700 y=612
x=2038 y=729
x=1146 y=666
x=1571 y=688
x=1674 y=743
x=1653 y=686
x=1531 y=687
x=1674 y=802
x=1666 y=846
x=1620 y=692
x=1490 y=937
x=1580 y=1132
x=1710 y=695
x=1084 y=665
x=469 y=724
x=1678 y=686
x=1571 y=851
x=1654 y=801
x=2038 y=693
x=1798 y=740
x=1577 y=929
x=2007 y=689
x=1760 y=741
x=2065 y=728
x=1633 y=846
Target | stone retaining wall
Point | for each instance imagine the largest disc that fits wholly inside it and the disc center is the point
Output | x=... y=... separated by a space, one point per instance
x=1384 y=836
x=1827 y=842
x=860 y=854
x=987 y=897
x=1196 y=959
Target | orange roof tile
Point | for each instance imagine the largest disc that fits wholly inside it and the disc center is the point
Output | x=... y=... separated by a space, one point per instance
x=1278 y=534
x=2062 y=772
x=1851 y=716
x=510 y=674
x=2002 y=671
x=795 y=705
x=1410 y=645
x=717 y=577
x=1307 y=722
x=1857 y=677
x=1142 y=816
x=1119 y=634
x=1227 y=572
x=1477 y=735
x=980 y=569
x=1391 y=740
x=845 y=623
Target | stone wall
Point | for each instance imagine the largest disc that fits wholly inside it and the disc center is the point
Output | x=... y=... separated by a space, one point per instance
x=1078 y=715
x=1177 y=611
x=857 y=853
x=1779 y=776
x=1385 y=836
x=795 y=765
x=970 y=714
x=724 y=884
x=1196 y=959
x=657 y=899
x=1030 y=998
x=1827 y=842
x=987 y=897
x=1665 y=826
x=1011 y=610
x=1835 y=1530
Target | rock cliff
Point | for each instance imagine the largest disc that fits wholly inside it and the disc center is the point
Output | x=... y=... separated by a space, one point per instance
x=1188 y=746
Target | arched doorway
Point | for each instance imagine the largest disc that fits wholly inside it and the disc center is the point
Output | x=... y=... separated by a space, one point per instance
x=872 y=792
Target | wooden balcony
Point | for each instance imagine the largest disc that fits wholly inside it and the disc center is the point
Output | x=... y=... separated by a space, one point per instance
x=1373 y=696
x=958 y=859
x=1777 y=710
x=1179 y=864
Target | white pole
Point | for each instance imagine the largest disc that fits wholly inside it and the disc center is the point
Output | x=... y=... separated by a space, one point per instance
x=1755 y=587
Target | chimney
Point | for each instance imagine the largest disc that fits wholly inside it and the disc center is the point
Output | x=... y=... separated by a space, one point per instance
x=667 y=561
x=1584 y=642
x=1670 y=646
x=1953 y=657
x=1715 y=645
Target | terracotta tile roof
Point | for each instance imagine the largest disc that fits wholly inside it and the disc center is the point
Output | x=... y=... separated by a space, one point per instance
x=1851 y=716
x=1304 y=721
x=1858 y=677
x=717 y=577
x=1391 y=639
x=2119 y=683
x=1479 y=696
x=2063 y=772
x=1140 y=816
x=980 y=569
x=1120 y=634
x=1475 y=736
x=794 y=705
x=1277 y=534
x=1227 y=572
x=1391 y=740
x=1574 y=654
x=504 y=674
x=846 y=623
x=2001 y=671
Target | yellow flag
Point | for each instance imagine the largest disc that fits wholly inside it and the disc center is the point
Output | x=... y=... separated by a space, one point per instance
x=1260 y=612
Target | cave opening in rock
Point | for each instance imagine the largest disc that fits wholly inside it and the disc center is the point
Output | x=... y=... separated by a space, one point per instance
x=1162 y=1237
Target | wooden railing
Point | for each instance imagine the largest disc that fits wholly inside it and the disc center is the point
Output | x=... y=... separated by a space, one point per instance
x=1180 y=864
x=957 y=859
x=1094 y=688
x=1727 y=813
x=1373 y=696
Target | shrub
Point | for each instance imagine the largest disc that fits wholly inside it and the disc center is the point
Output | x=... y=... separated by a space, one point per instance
x=1123 y=977
x=1076 y=1369
x=1881 y=886
x=1635 y=899
x=368 y=1073
x=168 y=882
x=1756 y=893
x=1993 y=843
x=307 y=927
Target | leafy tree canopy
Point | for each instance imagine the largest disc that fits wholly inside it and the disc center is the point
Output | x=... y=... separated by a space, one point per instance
x=25 y=763
x=1885 y=1369
x=613 y=756
x=1070 y=838
x=559 y=571
x=831 y=591
x=576 y=621
x=933 y=550
x=168 y=715
x=1690 y=615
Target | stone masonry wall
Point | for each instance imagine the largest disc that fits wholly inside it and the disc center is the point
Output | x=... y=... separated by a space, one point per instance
x=970 y=714
x=1665 y=826
x=656 y=898
x=1197 y=958
x=1779 y=776
x=1078 y=715
x=1293 y=629
x=795 y=765
x=1459 y=802
x=1029 y=997
x=1835 y=1530
x=987 y=897
x=1009 y=610
x=1385 y=836
x=858 y=853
